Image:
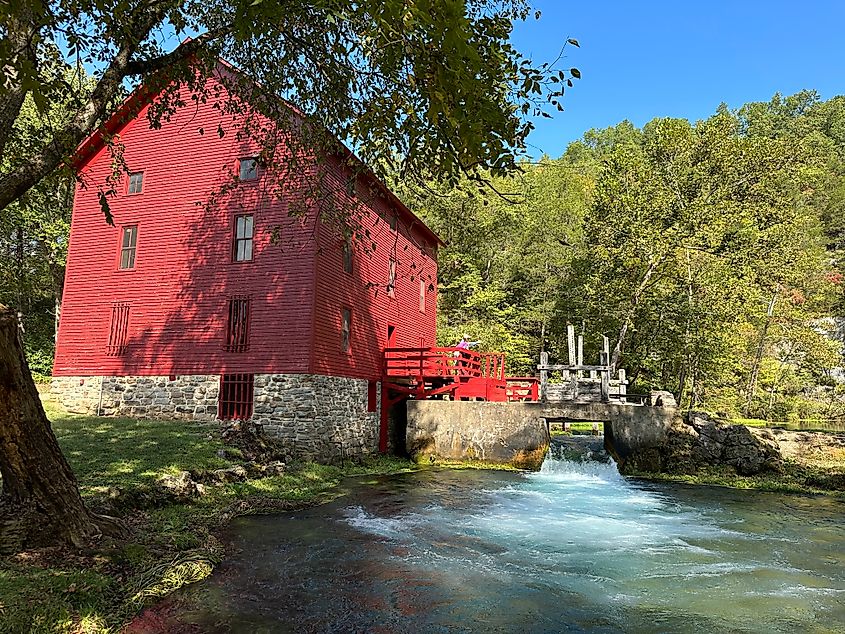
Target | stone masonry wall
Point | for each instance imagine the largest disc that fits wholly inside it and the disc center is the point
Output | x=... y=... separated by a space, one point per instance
x=322 y=418
x=190 y=397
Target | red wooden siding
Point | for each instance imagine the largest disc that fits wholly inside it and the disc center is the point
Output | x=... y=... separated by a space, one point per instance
x=184 y=275
x=365 y=289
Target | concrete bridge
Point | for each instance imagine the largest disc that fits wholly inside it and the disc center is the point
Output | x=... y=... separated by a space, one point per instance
x=517 y=433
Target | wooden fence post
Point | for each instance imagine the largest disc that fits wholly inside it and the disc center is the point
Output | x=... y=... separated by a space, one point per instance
x=623 y=384
x=604 y=359
x=544 y=374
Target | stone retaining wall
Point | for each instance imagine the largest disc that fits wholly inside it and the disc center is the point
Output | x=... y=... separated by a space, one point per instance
x=498 y=433
x=322 y=418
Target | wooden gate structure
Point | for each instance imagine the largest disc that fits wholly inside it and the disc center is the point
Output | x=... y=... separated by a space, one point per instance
x=577 y=381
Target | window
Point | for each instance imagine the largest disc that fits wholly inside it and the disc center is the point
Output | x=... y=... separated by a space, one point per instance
x=346 y=330
x=117 y=330
x=237 y=392
x=136 y=182
x=391 y=279
x=347 y=255
x=372 y=396
x=244 y=231
x=237 y=331
x=422 y=295
x=127 y=247
x=248 y=168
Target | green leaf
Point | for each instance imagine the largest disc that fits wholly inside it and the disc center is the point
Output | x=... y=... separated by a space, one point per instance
x=575 y=73
x=574 y=42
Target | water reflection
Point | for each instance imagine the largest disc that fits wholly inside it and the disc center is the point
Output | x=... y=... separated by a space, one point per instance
x=575 y=547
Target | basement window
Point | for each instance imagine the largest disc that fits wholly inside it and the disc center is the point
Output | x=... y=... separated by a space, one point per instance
x=346 y=330
x=128 y=242
x=248 y=168
x=372 y=396
x=117 y=330
x=136 y=182
x=244 y=233
x=237 y=392
x=237 y=328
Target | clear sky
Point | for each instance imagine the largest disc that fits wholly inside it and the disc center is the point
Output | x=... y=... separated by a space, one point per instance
x=681 y=58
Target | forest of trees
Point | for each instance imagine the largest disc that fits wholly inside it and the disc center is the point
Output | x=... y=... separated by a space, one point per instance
x=710 y=254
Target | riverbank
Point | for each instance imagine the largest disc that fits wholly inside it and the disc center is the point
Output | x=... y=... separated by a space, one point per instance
x=120 y=464
x=812 y=462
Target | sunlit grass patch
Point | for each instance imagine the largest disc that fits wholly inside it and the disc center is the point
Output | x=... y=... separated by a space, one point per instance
x=37 y=599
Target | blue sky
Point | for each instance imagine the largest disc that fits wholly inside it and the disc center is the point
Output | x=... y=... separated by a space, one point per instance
x=641 y=60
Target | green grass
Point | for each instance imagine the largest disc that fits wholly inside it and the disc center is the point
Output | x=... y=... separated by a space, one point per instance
x=796 y=478
x=168 y=546
x=573 y=427
x=803 y=424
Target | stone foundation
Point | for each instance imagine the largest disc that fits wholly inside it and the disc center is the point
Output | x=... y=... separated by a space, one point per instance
x=496 y=433
x=321 y=418
x=190 y=397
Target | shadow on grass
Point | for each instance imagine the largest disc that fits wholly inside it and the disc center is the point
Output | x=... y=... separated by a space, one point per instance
x=127 y=452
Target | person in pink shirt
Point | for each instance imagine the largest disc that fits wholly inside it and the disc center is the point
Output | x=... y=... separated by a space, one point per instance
x=463 y=344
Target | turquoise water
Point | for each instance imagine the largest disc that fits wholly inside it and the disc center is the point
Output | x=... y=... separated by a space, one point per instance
x=575 y=547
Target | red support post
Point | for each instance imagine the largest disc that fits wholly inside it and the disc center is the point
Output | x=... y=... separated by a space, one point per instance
x=383 y=419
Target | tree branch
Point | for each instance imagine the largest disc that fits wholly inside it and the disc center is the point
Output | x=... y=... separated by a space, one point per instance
x=17 y=182
x=185 y=50
x=20 y=36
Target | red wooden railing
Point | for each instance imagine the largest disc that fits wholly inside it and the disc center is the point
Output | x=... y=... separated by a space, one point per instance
x=443 y=362
x=523 y=388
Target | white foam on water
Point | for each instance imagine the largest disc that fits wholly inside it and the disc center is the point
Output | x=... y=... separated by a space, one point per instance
x=387 y=527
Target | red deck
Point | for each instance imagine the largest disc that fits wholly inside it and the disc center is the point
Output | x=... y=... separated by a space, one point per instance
x=456 y=373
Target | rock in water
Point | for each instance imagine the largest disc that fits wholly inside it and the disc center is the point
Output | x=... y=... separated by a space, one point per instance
x=579 y=448
x=700 y=441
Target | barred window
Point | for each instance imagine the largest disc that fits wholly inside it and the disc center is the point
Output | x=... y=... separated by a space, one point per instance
x=346 y=330
x=117 y=330
x=128 y=242
x=237 y=330
x=242 y=244
x=136 y=182
x=237 y=393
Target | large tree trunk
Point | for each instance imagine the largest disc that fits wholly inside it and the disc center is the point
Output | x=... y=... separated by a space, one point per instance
x=40 y=502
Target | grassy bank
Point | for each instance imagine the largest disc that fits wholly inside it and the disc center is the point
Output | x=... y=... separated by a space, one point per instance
x=795 y=479
x=809 y=467
x=169 y=544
